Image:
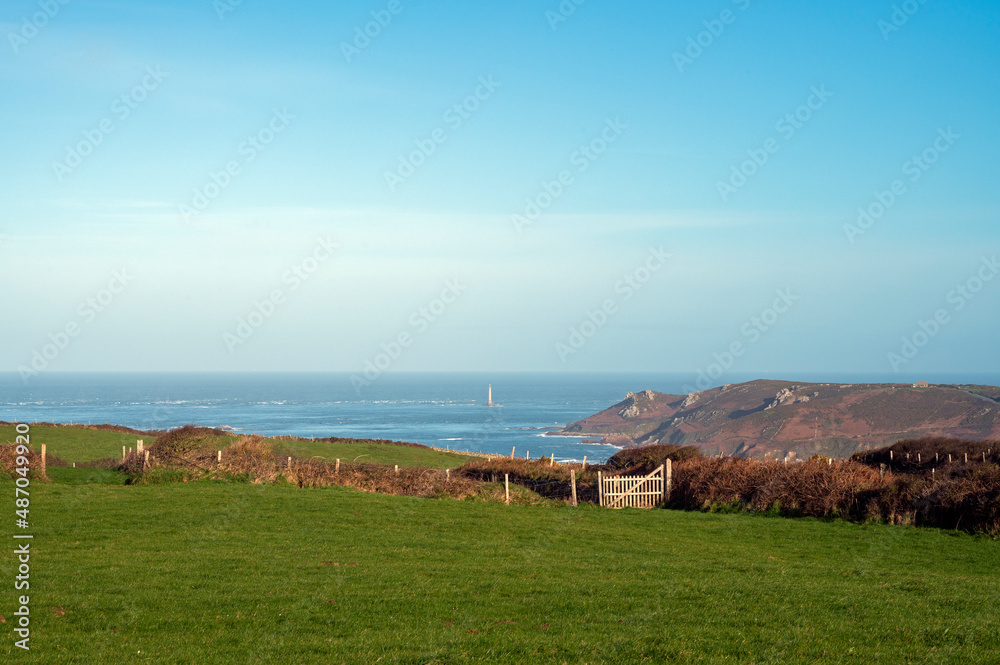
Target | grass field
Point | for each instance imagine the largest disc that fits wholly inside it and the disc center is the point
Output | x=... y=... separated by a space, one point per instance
x=371 y=452
x=80 y=444
x=238 y=573
x=75 y=443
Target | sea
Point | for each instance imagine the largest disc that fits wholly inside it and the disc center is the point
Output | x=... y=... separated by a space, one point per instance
x=445 y=410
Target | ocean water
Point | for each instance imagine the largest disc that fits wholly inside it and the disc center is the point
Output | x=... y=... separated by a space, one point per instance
x=444 y=410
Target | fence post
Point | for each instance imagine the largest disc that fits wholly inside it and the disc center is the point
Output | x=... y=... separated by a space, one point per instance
x=949 y=458
x=397 y=469
x=138 y=445
x=43 y=459
x=552 y=461
x=337 y=469
x=447 y=475
x=512 y=451
x=572 y=480
x=145 y=461
x=918 y=458
x=506 y=488
x=966 y=458
x=584 y=462
x=669 y=481
x=220 y=457
x=289 y=462
x=890 y=455
x=123 y=452
x=600 y=489
x=527 y=454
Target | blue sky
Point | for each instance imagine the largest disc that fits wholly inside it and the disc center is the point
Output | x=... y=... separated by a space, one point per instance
x=309 y=135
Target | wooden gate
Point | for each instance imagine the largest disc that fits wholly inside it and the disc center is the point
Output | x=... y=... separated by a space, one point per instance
x=635 y=491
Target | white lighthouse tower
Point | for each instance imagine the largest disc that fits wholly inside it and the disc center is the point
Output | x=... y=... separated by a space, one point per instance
x=489 y=395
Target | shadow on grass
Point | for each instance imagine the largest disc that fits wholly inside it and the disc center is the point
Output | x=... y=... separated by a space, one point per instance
x=65 y=475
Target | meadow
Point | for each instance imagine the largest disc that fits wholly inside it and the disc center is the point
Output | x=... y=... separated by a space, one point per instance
x=214 y=572
x=220 y=571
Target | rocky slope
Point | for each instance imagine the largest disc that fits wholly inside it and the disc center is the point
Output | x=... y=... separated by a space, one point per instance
x=783 y=418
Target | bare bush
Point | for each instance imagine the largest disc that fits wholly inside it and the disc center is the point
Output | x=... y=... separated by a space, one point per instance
x=9 y=462
x=647 y=459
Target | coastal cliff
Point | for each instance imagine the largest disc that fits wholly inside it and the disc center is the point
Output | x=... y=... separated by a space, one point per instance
x=775 y=419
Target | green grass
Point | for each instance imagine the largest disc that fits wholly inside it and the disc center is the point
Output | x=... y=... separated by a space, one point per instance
x=69 y=476
x=369 y=451
x=238 y=573
x=79 y=444
x=75 y=443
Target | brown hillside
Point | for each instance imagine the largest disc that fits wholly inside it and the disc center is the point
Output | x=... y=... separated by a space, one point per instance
x=779 y=418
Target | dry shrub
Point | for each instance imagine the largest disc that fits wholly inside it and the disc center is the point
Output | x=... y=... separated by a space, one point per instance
x=968 y=498
x=183 y=440
x=970 y=501
x=647 y=459
x=133 y=463
x=248 y=453
x=933 y=452
x=493 y=470
x=410 y=481
x=813 y=488
x=552 y=482
x=8 y=462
